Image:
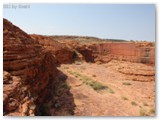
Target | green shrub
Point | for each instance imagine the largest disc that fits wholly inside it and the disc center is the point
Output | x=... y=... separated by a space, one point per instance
x=124 y=98
x=134 y=103
x=145 y=104
x=89 y=81
x=142 y=112
x=66 y=86
x=152 y=111
x=66 y=67
x=110 y=91
x=126 y=83
x=77 y=63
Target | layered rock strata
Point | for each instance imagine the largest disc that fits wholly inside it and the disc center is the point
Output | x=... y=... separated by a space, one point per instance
x=29 y=72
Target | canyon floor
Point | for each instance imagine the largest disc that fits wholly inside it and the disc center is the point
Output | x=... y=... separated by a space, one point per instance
x=119 y=97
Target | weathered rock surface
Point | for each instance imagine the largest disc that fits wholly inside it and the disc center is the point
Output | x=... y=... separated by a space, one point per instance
x=133 y=71
x=128 y=51
x=28 y=71
x=61 y=51
x=98 y=50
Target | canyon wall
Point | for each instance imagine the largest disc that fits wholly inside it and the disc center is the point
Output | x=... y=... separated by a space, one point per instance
x=71 y=48
x=62 y=52
x=29 y=72
x=127 y=51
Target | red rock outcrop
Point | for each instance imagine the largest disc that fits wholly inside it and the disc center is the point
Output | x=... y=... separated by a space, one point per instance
x=98 y=50
x=61 y=51
x=29 y=72
x=133 y=71
x=127 y=51
x=139 y=52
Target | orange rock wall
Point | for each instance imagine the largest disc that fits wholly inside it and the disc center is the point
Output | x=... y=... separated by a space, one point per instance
x=133 y=52
x=29 y=72
x=60 y=51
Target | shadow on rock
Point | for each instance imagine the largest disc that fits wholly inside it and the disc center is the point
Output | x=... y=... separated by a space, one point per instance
x=61 y=102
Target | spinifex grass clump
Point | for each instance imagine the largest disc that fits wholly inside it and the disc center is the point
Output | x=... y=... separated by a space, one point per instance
x=126 y=83
x=77 y=63
x=124 y=98
x=89 y=81
x=152 y=111
x=134 y=103
x=142 y=112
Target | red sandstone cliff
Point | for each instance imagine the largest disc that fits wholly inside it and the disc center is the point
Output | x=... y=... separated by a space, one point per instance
x=71 y=48
x=61 y=51
x=28 y=71
x=129 y=51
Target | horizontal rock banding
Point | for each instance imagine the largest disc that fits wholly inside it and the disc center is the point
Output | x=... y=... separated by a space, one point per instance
x=27 y=64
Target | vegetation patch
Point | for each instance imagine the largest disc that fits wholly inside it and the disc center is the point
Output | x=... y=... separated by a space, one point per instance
x=89 y=81
x=145 y=104
x=66 y=86
x=110 y=91
x=152 y=111
x=126 y=83
x=65 y=67
x=142 y=112
x=134 y=103
x=77 y=63
x=124 y=98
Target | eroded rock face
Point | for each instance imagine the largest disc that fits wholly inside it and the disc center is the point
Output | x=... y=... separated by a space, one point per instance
x=86 y=53
x=103 y=51
x=132 y=52
x=70 y=48
x=61 y=51
x=29 y=71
